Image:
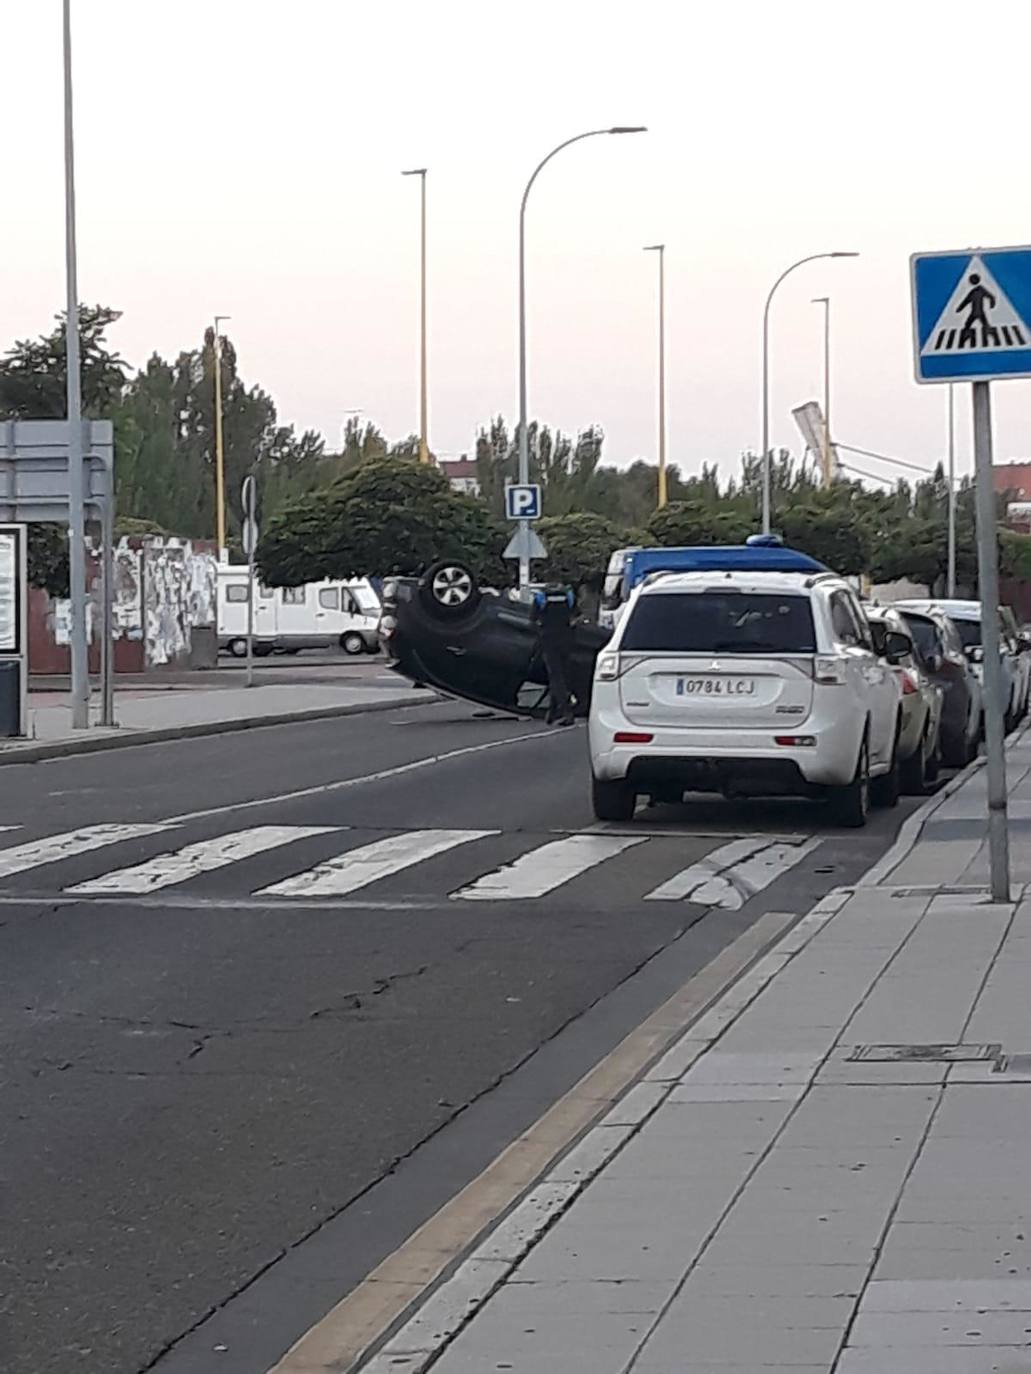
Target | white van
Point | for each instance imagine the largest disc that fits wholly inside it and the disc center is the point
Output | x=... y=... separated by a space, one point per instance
x=317 y=615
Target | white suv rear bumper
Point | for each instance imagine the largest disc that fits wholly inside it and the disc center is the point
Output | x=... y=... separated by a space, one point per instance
x=829 y=762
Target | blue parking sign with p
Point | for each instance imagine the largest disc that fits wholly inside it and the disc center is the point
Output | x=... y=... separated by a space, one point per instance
x=523 y=502
x=972 y=314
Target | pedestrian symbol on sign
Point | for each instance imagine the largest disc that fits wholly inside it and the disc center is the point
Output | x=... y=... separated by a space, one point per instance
x=978 y=317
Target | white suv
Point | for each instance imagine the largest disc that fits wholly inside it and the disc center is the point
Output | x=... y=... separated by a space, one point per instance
x=745 y=683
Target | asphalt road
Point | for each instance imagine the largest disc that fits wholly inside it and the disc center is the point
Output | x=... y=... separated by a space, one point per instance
x=201 y=1076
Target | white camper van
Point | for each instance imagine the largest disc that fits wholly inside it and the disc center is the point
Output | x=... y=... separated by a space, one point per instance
x=318 y=615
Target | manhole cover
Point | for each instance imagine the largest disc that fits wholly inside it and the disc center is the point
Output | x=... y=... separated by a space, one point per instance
x=926 y=1054
x=1014 y=1063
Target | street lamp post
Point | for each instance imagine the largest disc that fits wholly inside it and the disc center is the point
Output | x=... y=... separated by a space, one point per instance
x=813 y=257
x=524 y=439
x=424 y=446
x=80 y=688
x=660 y=248
x=825 y=301
x=220 y=466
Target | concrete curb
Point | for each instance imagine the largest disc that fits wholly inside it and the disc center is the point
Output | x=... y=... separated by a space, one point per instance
x=38 y=753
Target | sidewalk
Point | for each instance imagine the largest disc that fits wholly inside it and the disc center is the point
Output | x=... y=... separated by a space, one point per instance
x=830 y=1173
x=204 y=705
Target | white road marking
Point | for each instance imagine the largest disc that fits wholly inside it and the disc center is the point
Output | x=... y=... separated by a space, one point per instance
x=384 y=773
x=65 y=846
x=10 y=827
x=360 y=867
x=732 y=874
x=204 y=857
x=544 y=869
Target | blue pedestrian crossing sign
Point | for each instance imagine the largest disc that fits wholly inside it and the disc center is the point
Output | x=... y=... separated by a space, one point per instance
x=972 y=314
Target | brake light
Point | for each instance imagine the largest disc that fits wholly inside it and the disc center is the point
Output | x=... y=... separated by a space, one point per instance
x=632 y=737
x=795 y=741
x=608 y=667
x=909 y=687
x=830 y=672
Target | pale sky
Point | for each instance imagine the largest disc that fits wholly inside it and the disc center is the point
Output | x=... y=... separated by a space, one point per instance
x=243 y=157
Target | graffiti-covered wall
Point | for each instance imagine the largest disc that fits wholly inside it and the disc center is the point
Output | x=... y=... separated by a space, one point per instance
x=164 y=612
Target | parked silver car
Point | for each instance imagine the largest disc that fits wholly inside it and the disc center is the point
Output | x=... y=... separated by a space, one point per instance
x=1015 y=662
x=919 y=742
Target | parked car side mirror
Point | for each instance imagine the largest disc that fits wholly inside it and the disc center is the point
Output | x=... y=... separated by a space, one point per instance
x=934 y=663
x=896 y=646
x=877 y=635
x=974 y=653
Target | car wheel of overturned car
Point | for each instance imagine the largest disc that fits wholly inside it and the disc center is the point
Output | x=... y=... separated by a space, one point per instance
x=613 y=801
x=449 y=590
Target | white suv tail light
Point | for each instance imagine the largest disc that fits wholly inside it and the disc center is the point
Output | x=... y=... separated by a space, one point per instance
x=608 y=667
x=830 y=671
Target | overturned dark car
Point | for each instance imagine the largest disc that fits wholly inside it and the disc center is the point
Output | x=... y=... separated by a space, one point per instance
x=478 y=643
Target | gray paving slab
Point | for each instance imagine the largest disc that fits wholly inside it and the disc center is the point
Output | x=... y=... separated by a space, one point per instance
x=956 y=1296
x=740 y=1340
x=937 y=1360
x=777 y=1280
x=923 y=1329
x=516 y=1341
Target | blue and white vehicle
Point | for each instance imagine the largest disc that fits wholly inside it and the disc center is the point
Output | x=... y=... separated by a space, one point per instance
x=628 y=568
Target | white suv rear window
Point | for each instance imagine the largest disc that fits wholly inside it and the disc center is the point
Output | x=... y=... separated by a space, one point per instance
x=721 y=623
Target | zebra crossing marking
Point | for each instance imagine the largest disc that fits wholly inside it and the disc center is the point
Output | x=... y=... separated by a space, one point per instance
x=727 y=877
x=35 y=853
x=730 y=875
x=359 y=867
x=206 y=856
x=545 y=868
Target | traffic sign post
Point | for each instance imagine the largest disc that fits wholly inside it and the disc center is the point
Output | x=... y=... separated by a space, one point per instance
x=972 y=323
x=523 y=503
x=249 y=498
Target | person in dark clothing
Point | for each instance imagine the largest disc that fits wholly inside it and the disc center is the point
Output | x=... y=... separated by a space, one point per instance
x=552 y=613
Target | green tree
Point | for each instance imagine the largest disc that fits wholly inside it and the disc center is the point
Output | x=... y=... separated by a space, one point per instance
x=389 y=515
x=33 y=386
x=694 y=522
x=579 y=546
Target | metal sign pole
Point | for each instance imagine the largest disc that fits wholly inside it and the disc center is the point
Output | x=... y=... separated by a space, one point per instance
x=80 y=688
x=107 y=649
x=250 y=621
x=249 y=502
x=950 y=582
x=988 y=575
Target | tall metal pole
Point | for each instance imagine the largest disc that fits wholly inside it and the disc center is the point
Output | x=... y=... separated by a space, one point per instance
x=950 y=584
x=424 y=443
x=220 y=466
x=80 y=688
x=825 y=301
x=107 y=649
x=994 y=687
x=524 y=438
x=663 y=494
x=765 y=450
